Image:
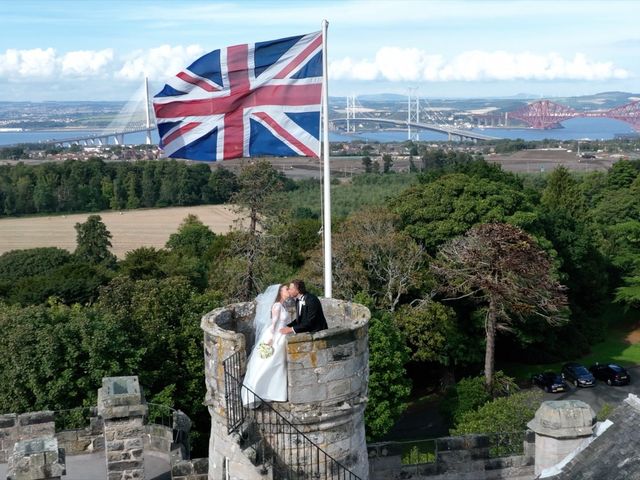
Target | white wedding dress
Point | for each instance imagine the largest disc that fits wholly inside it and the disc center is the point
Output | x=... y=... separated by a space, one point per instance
x=267 y=377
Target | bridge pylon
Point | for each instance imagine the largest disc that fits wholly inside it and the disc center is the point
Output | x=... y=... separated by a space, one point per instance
x=351 y=113
x=413 y=113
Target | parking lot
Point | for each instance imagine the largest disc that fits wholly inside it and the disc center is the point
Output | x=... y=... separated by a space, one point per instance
x=602 y=393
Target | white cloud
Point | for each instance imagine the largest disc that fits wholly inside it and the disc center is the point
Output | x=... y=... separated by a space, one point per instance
x=158 y=63
x=36 y=63
x=85 y=62
x=46 y=64
x=411 y=64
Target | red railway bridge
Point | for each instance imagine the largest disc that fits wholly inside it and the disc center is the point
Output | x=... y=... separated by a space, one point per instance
x=545 y=114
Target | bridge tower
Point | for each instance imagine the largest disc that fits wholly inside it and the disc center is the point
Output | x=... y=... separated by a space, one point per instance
x=351 y=112
x=147 y=106
x=413 y=114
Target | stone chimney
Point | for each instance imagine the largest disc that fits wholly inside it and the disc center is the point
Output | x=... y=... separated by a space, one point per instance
x=560 y=427
x=122 y=406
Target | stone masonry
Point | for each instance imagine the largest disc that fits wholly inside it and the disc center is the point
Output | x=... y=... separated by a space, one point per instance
x=122 y=406
x=327 y=378
x=36 y=459
x=15 y=428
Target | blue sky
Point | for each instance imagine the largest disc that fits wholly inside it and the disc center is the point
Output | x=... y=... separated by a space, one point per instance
x=97 y=50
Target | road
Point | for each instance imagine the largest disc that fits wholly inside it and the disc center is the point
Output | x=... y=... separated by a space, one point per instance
x=601 y=393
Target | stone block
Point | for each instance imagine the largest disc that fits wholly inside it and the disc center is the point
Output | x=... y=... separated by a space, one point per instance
x=35 y=459
x=121 y=397
x=308 y=394
x=338 y=388
x=123 y=465
x=35 y=418
x=181 y=468
x=8 y=420
x=133 y=443
x=200 y=465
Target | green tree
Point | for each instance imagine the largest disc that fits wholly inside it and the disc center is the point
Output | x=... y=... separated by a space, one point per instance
x=439 y=210
x=470 y=393
x=367 y=164
x=387 y=163
x=223 y=183
x=502 y=415
x=93 y=241
x=192 y=239
x=429 y=328
x=389 y=386
x=563 y=193
x=370 y=255
x=502 y=268
x=149 y=185
x=132 y=191
x=257 y=184
x=144 y=263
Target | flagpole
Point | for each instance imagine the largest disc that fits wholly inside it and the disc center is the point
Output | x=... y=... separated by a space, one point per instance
x=326 y=230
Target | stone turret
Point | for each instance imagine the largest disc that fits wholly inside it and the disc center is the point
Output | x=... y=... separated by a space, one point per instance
x=560 y=427
x=327 y=385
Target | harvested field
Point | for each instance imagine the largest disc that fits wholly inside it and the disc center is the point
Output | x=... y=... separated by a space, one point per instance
x=130 y=228
x=545 y=160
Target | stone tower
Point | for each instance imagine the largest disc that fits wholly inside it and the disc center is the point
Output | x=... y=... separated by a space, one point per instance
x=327 y=390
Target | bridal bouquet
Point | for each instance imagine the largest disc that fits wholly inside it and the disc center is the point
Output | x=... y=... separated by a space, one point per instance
x=265 y=350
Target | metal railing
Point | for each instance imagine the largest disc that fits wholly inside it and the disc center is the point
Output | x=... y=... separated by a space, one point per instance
x=74 y=418
x=269 y=439
x=420 y=452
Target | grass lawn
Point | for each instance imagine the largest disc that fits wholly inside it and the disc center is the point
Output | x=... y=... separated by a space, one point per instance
x=621 y=345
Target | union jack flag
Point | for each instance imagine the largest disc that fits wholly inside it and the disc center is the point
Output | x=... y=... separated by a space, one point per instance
x=245 y=100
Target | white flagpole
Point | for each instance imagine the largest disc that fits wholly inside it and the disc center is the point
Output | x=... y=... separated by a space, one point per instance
x=326 y=231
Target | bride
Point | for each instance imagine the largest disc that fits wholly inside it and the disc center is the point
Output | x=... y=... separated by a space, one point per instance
x=267 y=368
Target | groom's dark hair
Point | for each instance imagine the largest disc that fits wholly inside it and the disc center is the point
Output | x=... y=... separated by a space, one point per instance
x=300 y=286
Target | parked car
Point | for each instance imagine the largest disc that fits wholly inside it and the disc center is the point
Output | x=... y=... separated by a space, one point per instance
x=612 y=373
x=578 y=375
x=550 y=381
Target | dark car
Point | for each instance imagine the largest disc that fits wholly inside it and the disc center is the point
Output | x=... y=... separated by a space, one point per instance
x=578 y=375
x=550 y=381
x=612 y=373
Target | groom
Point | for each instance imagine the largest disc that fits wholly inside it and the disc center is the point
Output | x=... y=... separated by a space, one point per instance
x=309 y=315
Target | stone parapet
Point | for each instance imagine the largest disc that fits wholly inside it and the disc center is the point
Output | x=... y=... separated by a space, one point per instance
x=15 y=428
x=195 y=469
x=36 y=459
x=465 y=457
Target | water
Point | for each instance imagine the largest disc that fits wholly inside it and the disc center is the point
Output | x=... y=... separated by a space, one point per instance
x=11 y=138
x=574 y=129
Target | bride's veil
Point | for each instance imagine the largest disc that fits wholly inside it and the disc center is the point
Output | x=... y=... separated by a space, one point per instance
x=264 y=302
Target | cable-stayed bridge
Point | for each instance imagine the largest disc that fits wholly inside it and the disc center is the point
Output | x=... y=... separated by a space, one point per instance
x=136 y=116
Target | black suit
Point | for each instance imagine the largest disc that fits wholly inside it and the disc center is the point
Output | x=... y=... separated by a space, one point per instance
x=310 y=317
